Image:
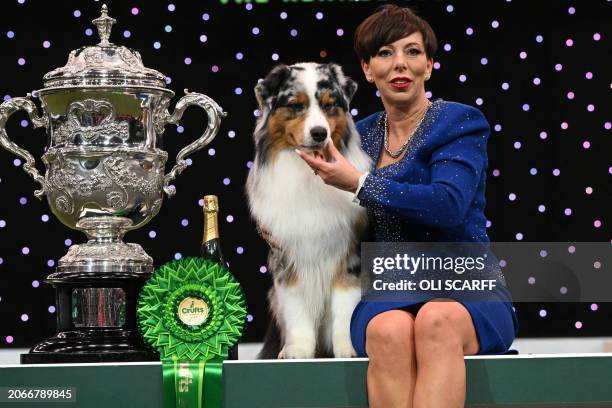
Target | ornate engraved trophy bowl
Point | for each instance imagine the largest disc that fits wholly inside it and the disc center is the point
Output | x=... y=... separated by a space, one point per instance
x=105 y=115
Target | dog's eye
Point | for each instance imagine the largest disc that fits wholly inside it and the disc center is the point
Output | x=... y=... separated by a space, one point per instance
x=296 y=107
x=328 y=107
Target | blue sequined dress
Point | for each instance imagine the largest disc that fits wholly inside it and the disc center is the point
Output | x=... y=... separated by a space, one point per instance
x=435 y=192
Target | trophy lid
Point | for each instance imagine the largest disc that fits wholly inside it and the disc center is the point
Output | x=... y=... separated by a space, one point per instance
x=104 y=64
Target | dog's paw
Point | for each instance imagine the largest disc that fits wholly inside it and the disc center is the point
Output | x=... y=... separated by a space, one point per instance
x=344 y=349
x=290 y=351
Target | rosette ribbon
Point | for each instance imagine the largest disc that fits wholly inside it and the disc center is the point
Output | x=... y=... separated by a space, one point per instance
x=192 y=311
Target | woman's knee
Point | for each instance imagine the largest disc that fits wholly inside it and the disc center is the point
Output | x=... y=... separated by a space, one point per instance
x=390 y=333
x=436 y=325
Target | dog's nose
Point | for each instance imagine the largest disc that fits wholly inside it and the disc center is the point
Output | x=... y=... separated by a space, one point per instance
x=318 y=133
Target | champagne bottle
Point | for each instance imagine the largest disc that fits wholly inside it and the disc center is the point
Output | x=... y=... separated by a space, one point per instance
x=211 y=243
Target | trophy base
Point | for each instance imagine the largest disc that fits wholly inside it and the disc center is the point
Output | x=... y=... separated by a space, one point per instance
x=90 y=346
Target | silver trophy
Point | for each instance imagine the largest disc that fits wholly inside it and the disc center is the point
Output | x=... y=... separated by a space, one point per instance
x=105 y=114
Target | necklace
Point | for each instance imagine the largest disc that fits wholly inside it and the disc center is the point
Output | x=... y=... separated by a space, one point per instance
x=397 y=153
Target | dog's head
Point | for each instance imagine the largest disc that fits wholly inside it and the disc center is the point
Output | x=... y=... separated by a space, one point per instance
x=304 y=106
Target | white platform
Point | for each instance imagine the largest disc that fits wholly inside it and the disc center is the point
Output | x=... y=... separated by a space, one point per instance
x=563 y=345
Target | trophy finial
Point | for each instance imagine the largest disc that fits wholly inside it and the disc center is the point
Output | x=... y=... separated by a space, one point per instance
x=105 y=25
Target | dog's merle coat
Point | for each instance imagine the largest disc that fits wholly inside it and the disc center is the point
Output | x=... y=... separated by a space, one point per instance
x=317 y=227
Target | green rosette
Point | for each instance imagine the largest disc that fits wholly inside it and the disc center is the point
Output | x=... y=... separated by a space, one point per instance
x=192 y=311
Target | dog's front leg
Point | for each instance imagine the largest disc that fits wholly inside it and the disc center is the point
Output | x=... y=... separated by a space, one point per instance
x=299 y=321
x=344 y=300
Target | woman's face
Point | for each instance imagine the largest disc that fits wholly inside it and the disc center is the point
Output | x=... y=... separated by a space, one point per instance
x=400 y=70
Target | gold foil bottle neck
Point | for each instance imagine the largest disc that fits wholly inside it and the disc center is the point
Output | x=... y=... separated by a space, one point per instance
x=211 y=203
x=211 y=225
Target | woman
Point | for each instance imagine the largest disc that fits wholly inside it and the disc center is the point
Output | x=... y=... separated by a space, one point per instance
x=428 y=185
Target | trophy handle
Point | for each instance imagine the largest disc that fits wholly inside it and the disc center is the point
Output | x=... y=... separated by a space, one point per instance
x=214 y=112
x=6 y=110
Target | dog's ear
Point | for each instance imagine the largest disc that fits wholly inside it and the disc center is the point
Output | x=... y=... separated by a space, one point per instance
x=271 y=84
x=349 y=87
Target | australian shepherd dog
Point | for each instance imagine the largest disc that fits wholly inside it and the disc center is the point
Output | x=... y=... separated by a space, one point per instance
x=317 y=227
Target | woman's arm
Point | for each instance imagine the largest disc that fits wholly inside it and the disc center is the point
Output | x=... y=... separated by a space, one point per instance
x=456 y=168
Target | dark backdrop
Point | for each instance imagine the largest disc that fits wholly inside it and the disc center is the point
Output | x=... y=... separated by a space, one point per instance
x=550 y=166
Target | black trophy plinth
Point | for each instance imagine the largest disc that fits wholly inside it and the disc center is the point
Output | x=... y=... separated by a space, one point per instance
x=96 y=318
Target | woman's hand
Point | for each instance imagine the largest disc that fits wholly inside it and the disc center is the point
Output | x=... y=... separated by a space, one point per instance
x=338 y=172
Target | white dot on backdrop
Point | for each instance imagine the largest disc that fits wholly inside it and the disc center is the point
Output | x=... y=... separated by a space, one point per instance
x=537 y=81
x=447 y=47
x=319 y=15
x=205 y=16
x=568 y=211
x=522 y=55
x=469 y=31
x=543 y=135
x=51 y=309
x=450 y=8
x=152 y=234
x=531 y=280
x=511 y=196
x=263 y=269
x=46 y=44
x=498 y=127
x=556 y=172
x=238 y=91
x=339 y=32
x=293 y=32
x=35 y=284
x=533 y=171
x=226 y=181
x=229 y=218
x=184 y=222
x=354 y=112
x=539 y=38
x=541 y=208
x=428 y=95
x=203 y=38
x=50 y=263
x=68 y=242
x=517 y=145
x=558 y=67
x=239 y=55
x=178 y=256
x=505 y=86
x=240 y=250
x=484 y=61
x=88 y=32
x=519 y=236
x=543 y=313
x=283 y=15
x=488 y=224
x=543 y=253
x=231 y=134
x=563 y=290
x=462 y=78
x=211 y=152
x=479 y=101
x=2 y=223
x=127 y=34
x=16 y=162
x=436 y=65
x=525 y=107
x=249 y=164
x=275 y=57
x=495 y=24
x=255 y=30
x=24 y=317
x=25 y=250
x=594 y=306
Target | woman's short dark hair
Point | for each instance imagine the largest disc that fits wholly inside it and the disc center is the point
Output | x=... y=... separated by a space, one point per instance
x=388 y=24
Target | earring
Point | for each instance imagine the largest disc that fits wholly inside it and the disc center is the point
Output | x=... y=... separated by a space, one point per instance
x=369 y=79
x=427 y=77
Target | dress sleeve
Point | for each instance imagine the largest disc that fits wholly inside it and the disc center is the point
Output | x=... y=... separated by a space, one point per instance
x=455 y=166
